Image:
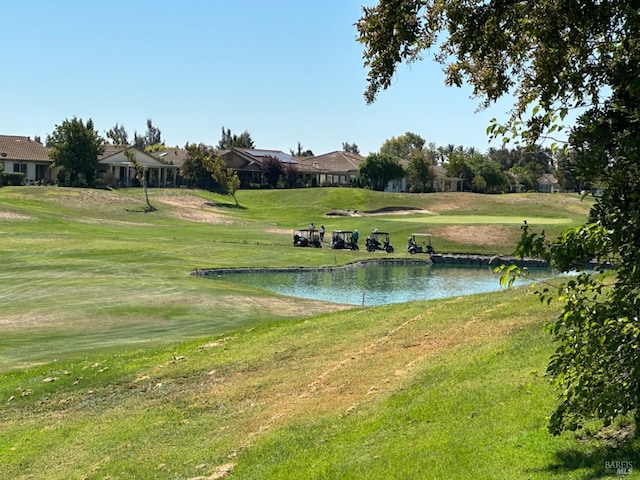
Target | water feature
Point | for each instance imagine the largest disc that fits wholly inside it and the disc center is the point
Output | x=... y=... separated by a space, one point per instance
x=375 y=284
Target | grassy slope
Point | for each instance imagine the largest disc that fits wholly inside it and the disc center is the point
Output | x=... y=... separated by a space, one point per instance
x=97 y=292
x=88 y=269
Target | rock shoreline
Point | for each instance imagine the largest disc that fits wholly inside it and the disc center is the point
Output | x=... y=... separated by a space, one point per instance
x=490 y=260
x=438 y=259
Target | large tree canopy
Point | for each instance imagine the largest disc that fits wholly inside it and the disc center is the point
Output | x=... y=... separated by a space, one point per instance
x=74 y=148
x=196 y=166
x=553 y=57
x=403 y=146
x=378 y=169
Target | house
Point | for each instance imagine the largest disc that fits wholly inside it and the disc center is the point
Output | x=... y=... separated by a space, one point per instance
x=116 y=169
x=249 y=164
x=341 y=168
x=21 y=154
x=173 y=156
x=441 y=182
x=547 y=183
x=334 y=168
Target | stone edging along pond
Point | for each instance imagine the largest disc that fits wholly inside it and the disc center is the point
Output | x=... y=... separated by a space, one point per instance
x=439 y=259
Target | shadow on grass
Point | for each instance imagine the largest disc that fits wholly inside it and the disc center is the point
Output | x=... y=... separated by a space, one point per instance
x=599 y=461
x=141 y=210
x=225 y=205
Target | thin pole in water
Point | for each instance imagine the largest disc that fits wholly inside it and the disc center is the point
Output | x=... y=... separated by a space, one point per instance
x=363 y=298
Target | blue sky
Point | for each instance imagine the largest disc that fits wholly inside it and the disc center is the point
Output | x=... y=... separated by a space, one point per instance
x=287 y=71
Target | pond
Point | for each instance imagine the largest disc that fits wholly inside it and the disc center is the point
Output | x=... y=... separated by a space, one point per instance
x=376 y=284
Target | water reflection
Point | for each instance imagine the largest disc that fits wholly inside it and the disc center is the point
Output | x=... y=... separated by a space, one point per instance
x=376 y=284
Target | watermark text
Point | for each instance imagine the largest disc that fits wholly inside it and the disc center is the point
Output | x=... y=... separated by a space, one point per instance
x=618 y=468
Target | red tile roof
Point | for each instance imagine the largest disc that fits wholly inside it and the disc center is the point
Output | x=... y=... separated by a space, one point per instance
x=14 y=147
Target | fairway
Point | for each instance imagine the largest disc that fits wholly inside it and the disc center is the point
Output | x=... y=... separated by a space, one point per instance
x=92 y=267
x=482 y=220
x=116 y=363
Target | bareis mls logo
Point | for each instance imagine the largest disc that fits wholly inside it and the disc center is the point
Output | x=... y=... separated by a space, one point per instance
x=618 y=468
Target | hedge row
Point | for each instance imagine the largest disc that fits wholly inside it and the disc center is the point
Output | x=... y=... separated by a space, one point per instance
x=8 y=179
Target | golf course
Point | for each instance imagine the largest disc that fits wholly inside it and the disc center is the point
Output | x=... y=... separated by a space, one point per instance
x=116 y=362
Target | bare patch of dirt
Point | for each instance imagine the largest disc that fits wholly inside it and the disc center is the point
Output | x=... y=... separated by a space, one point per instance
x=477 y=234
x=446 y=202
x=101 y=221
x=220 y=471
x=86 y=196
x=194 y=209
x=184 y=201
x=23 y=321
x=286 y=307
x=13 y=216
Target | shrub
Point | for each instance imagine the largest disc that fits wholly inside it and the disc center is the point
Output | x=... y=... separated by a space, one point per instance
x=12 y=179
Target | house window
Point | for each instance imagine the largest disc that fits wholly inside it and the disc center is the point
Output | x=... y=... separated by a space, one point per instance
x=20 y=168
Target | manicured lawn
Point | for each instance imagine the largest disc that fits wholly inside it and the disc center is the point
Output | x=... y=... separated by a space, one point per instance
x=486 y=220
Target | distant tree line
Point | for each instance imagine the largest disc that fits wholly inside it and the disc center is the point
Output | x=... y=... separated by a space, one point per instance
x=496 y=171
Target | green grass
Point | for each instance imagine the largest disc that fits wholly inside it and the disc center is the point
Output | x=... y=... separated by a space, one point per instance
x=118 y=364
x=485 y=220
x=85 y=270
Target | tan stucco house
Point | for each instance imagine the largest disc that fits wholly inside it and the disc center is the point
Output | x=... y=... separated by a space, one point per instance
x=334 y=168
x=116 y=169
x=548 y=183
x=441 y=182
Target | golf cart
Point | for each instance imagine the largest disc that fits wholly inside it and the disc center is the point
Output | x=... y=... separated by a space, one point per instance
x=306 y=238
x=379 y=241
x=420 y=243
x=343 y=239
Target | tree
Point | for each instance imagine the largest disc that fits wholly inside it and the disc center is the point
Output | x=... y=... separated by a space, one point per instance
x=74 y=148
x=141 y=176
x=419 y=170
x=272 y=170
x=227 y=140
x=301 y=152
x=488 y=177
x=524 y=177
x=152 y=136
x=195 y=168
x=554 y=57
x=118 y=135
x=291 y=174
x=139 y=141
x=378 y=169
x=403 y=146
x=458 y=165
x=350 y=148
x=227 y=178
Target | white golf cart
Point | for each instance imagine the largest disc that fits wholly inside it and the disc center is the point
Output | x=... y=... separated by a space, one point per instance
x=420 y=243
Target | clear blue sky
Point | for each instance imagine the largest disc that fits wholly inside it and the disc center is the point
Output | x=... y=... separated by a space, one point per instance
x=287 y=71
